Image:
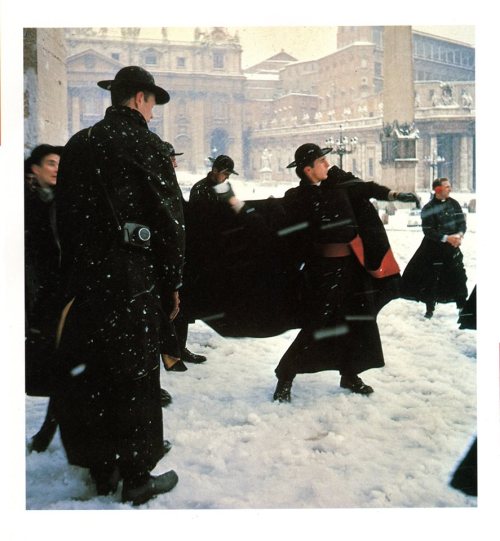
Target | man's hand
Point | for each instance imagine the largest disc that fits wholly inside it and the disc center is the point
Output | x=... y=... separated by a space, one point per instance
x=236 y=204
x=175 y=302
x=454 y=240
x=408 y=197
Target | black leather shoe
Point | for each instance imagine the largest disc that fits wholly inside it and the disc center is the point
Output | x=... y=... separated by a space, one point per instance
x=179 y=366
x=428 y=314
x=190 y=357
x=106 y=483
x=153 y=487
x=166 y=447
x=355 y=385
x=165 y=398
x=282 y=391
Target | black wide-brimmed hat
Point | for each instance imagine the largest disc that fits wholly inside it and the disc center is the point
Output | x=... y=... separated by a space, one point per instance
x=135 y=77
x=306 y=154
x=223 y=163
x=171 y=150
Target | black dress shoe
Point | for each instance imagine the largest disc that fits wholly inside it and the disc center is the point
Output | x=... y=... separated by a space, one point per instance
x=355 y=385
x=165 y=398
x=153 y=487
x=106 y=482
x=282 y=391
x=190 y=357
x=179 y=366
x=166 y=447
x=428 y=314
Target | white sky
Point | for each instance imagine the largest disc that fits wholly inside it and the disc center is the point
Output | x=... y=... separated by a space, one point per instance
x=303 y=42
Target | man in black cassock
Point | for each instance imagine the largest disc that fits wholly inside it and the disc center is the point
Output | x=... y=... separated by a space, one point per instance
x=349 y=268
x=436 y=273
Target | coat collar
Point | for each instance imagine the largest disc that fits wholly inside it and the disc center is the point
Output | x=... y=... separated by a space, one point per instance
x=127 y=112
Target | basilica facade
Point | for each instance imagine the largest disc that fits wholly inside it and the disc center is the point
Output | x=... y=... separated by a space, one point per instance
x=259 y=115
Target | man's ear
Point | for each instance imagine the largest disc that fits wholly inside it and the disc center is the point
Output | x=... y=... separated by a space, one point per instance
x=139 y=97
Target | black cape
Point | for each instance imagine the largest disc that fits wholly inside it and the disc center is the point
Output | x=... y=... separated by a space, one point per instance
x=255 y=286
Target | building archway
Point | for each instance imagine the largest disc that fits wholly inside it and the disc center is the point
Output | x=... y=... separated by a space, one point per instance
x=219 y=142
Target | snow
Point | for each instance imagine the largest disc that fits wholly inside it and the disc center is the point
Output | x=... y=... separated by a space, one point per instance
x=234 y=448
x=249 y=464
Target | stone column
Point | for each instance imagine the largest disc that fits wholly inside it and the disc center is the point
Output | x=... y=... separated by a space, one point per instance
x=75 y=114
x=45 y=87
x=399 y=134
x=200 y=139
x=433 y=151
x=464 y=182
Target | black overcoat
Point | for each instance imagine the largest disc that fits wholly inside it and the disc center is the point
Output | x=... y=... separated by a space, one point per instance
x=108 y=396
x=42 y=303
x=436 y=271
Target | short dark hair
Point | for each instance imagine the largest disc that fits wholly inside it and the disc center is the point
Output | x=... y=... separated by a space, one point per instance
x=438 y=181
x=120 y=94
x=39 y=153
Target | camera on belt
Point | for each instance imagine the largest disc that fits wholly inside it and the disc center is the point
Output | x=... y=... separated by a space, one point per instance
x=137 y=235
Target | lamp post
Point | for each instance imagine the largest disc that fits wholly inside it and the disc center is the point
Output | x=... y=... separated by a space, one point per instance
x=213 y=155
x=343 y=145
x=433 y=162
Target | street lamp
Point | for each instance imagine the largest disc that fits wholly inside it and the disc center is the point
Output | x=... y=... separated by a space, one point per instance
x=433 y=162
x=343 y=145
x=213 y=155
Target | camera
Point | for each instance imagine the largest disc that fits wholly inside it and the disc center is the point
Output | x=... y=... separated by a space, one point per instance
x=137 y=235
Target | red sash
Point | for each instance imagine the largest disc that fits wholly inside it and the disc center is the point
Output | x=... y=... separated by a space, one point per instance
x=388 y=266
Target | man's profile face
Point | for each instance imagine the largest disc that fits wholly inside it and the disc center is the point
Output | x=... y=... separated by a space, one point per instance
x=221 y=176
x=46 y=172
x=145 y=105
x=443 y=191
x=318 y=171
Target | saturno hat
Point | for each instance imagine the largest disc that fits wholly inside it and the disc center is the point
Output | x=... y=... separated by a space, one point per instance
x=306 y=154
x=171 y=150
x=138 y=78
x=223 y=163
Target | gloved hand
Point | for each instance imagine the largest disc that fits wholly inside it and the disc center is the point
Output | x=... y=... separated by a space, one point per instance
x=224 y=191
x=408 y=197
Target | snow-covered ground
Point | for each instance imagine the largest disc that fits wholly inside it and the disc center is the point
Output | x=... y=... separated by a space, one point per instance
x=236 y=449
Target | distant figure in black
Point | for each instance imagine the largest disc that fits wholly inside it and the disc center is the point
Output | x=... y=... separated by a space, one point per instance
x=436 y=273
x=41 y=280
x=468 y=315
x=181 y=322
x=212 y=218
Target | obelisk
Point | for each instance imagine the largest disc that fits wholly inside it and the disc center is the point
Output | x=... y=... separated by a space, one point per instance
x=399 y=135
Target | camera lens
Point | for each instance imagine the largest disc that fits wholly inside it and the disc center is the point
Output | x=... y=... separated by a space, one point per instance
x=144 y=234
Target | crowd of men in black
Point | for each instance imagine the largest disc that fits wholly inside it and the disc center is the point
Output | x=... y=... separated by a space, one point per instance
x=118 y=264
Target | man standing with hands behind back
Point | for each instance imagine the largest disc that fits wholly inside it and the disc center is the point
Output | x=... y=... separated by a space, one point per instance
x=121 y=227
